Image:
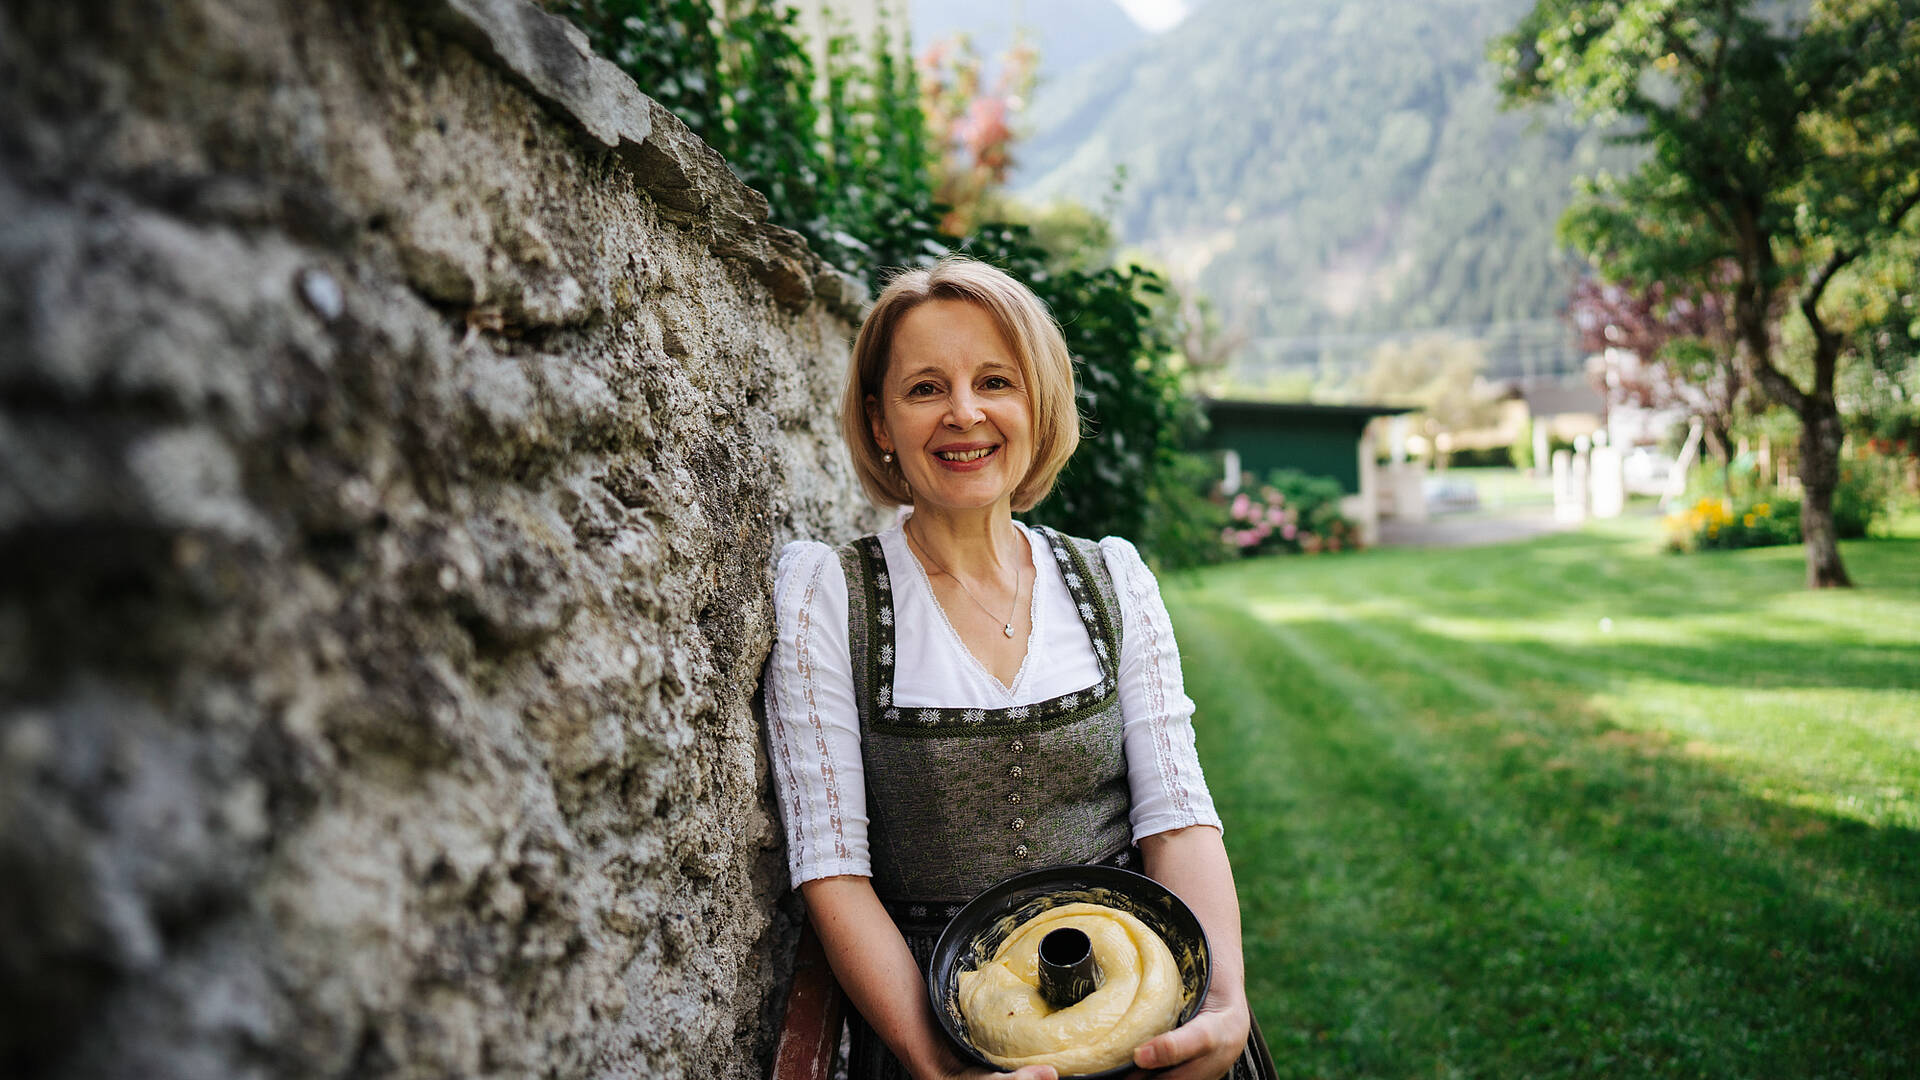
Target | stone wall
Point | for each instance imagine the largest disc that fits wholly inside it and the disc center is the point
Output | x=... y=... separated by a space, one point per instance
x=398 y=414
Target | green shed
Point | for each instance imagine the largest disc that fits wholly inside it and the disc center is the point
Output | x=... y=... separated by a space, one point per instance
x=1324 y=440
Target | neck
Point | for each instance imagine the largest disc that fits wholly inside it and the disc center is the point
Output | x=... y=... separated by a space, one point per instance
x=979 y=545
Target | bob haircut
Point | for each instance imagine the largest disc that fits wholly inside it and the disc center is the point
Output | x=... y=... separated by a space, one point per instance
x=1030 y=334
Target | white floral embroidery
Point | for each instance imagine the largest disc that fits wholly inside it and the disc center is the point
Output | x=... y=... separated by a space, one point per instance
x=886 y=654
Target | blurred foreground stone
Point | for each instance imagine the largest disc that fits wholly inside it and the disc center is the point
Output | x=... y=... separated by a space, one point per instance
x=398 y=412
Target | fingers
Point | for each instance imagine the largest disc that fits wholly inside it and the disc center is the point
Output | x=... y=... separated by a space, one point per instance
x=1180 y=1044
x=1034 y=1072
x=1203 y=1049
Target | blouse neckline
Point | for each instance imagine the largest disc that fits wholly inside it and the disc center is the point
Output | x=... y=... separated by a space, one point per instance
x=881 y=659
x=1009 y=692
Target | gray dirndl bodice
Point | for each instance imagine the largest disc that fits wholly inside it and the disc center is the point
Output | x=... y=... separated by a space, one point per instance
x=959 y=798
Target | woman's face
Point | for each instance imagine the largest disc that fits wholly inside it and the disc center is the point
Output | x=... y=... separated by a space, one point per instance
x=953 y=408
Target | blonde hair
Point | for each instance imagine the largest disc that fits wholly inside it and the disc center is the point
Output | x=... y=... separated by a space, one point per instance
x=1030 y=333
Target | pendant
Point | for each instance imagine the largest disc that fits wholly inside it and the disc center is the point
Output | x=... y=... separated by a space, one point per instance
x=1009 y=629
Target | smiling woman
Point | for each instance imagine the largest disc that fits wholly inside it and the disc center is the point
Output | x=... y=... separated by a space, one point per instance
x=961 y=698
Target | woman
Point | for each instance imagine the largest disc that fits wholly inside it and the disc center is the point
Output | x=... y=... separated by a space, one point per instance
x=961 y=698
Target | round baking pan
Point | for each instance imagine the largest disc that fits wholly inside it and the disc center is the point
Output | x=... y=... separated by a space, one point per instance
x=971 y=936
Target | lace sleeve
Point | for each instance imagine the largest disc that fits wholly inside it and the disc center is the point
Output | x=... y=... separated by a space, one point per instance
x=1163 y=768
x=813 y=728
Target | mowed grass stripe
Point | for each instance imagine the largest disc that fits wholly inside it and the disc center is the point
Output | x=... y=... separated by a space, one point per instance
x=1420 y=958
x=1741 y=699
x=1629 y=718
x=1654 y=916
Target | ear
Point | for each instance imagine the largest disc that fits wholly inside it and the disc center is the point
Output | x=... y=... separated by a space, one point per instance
x=876 y=425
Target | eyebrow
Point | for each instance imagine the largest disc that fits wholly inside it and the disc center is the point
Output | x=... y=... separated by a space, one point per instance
x=992 y=366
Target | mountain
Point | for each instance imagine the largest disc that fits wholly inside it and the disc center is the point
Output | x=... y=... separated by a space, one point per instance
x=1069 y=33
x=1334 y=173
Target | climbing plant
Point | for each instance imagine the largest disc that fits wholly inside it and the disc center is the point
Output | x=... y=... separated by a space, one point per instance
x=840 y=151
x=844 y=154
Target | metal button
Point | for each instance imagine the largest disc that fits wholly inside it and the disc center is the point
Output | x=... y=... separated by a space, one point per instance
x=1019 y=745
x=1019 y=823
x=1020 y=851
x=1016 y=772
x=1015 y=797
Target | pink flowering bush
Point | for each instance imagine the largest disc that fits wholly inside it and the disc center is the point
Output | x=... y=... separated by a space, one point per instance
x=1260 y=523
x=1293 y=513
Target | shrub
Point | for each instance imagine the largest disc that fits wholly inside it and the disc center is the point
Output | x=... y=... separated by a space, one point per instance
x=1185 y=515
x=1292 y=512
x=1520 y=454
x=1484 y=457
x=1720 y=522
x=1868 y=484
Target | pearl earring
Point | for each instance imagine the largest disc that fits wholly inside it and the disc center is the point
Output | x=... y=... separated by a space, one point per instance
x=888 y=458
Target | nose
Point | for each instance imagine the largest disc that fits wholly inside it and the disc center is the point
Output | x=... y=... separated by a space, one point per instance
x=963 y=409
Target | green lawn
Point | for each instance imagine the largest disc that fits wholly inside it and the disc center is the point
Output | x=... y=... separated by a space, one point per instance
x=1481 y=832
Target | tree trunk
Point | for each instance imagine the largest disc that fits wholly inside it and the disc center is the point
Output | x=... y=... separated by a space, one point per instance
x=1820 y=437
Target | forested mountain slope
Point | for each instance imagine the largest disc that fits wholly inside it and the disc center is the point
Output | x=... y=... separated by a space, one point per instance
x=1330 y=171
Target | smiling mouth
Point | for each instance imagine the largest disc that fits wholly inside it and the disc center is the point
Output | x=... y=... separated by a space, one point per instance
x=964 y=455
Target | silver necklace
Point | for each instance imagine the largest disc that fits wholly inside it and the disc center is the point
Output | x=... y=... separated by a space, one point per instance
x=1006 y=624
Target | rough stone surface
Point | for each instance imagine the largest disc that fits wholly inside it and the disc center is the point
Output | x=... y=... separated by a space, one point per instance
x=398 y=414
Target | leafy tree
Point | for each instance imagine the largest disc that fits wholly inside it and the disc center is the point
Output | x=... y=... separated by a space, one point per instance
x=1783 y=147
x=1683 y=343
x=1439 y=374
x=1879 y=303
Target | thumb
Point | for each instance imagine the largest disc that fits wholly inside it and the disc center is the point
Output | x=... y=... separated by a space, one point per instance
x=1037 y=1072
x=1170 y=1049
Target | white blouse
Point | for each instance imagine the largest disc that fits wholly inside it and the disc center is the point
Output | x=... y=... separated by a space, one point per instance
x=814 y=727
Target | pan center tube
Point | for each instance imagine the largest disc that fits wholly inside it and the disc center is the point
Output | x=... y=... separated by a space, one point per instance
x=1067 y=970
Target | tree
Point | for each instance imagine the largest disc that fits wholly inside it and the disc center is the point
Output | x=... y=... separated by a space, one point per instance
x=1684 y=344
x=1783 y=146
x=1438 y=373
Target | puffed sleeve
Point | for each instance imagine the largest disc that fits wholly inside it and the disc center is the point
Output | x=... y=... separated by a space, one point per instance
x=813 y=727
x=1163 y=768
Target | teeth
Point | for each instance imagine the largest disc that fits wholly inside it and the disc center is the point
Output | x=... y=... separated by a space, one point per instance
x=964 y=455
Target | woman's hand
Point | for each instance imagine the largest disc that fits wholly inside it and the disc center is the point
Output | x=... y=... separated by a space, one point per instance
x=1203 y=1048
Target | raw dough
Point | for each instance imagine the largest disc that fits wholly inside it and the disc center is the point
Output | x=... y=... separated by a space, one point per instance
x=1138 y=995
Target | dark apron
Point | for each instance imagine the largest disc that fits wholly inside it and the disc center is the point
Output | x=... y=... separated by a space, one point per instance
x=959 y=798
